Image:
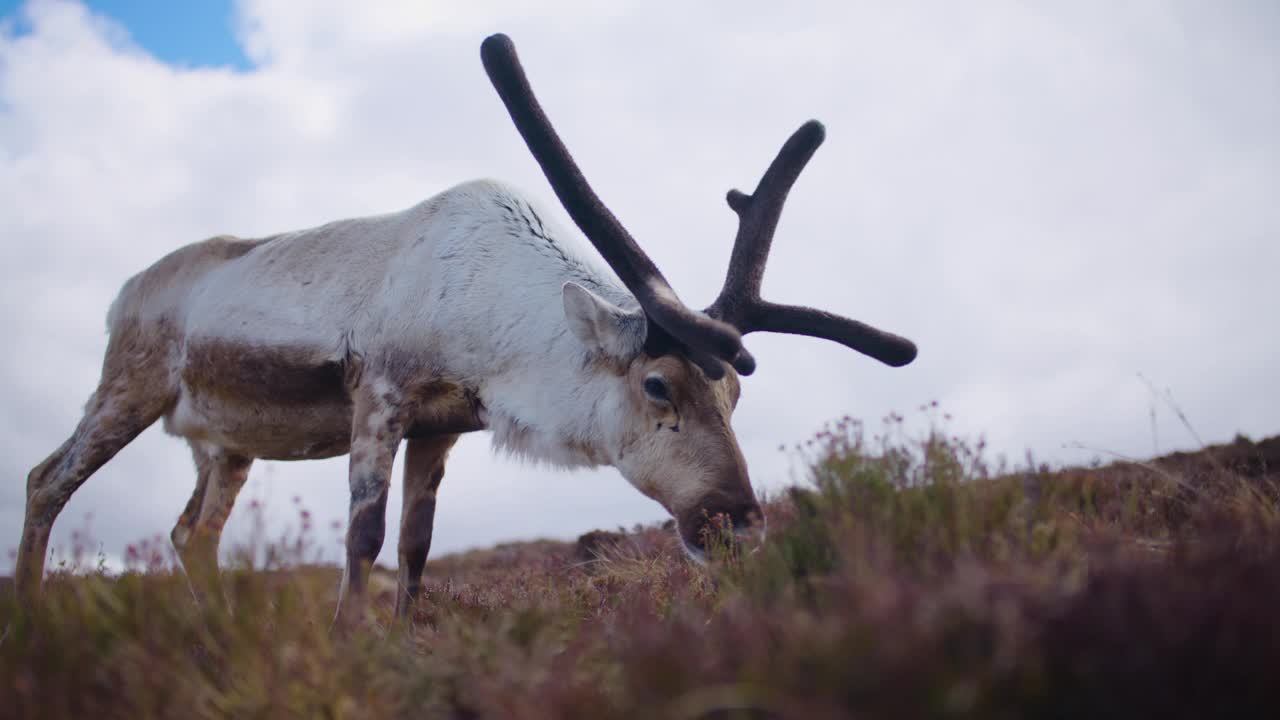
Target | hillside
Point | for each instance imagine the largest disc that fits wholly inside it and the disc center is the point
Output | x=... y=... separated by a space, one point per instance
x=907 y=579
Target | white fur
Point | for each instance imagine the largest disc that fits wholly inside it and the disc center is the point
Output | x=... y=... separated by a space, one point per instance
x=469 y=283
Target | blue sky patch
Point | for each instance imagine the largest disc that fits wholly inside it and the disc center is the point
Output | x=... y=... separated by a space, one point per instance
x=199 y=33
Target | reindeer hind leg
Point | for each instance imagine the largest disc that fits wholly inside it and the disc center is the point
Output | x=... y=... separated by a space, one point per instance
x=133 y=393
x=219 y=477
x=100 y=435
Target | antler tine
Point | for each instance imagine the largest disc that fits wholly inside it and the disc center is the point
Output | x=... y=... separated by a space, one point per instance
x=707 y=341
x=886 y=347
x=739 y=301
x=758 y=215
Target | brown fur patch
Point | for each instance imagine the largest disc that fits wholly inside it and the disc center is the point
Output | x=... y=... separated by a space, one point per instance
x=443 y=408
x=274 y=375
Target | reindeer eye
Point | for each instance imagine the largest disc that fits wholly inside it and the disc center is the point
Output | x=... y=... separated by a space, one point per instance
x=656 y=389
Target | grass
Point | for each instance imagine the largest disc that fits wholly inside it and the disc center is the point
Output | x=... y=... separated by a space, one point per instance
x=906 y=578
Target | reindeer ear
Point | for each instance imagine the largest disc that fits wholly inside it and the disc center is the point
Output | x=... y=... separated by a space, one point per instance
x=601 y=325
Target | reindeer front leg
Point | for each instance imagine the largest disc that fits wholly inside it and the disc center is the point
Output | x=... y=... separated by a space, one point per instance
x=378 y=425
x=423 y=471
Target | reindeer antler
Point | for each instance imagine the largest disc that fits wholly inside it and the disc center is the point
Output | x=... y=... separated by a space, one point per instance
x=739 y=302
x=707 y=342
x=715 y=337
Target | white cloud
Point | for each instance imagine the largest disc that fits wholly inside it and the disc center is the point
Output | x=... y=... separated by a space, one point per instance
x=1046 y=201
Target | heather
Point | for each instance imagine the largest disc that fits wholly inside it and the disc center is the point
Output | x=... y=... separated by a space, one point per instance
x=906 y=576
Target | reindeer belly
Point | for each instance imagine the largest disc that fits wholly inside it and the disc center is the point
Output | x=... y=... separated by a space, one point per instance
x=276 y=404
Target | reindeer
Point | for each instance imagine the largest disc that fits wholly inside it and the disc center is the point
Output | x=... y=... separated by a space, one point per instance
x=469 y=311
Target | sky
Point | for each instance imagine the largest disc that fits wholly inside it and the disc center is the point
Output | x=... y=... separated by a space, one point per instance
x=1071 y=209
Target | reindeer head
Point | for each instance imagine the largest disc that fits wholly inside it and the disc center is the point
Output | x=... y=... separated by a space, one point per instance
x=679 y=367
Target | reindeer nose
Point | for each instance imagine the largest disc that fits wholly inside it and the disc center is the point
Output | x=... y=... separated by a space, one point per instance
x=743 y=518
